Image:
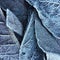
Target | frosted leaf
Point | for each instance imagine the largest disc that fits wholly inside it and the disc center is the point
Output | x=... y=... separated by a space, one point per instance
x=29 y=48
x=46 y=41
x=13 y=23
x=49 y=13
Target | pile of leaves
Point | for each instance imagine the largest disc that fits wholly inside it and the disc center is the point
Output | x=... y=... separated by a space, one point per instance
x=29 y=30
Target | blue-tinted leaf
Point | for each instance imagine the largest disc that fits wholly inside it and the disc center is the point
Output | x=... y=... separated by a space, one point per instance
x=46 y=41
x=29 y=49
x=13 y=23
x=49 y=12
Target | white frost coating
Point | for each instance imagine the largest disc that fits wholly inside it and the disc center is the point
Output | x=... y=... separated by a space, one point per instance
x=50 y=1
x=52 y=56
x=13 y=23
